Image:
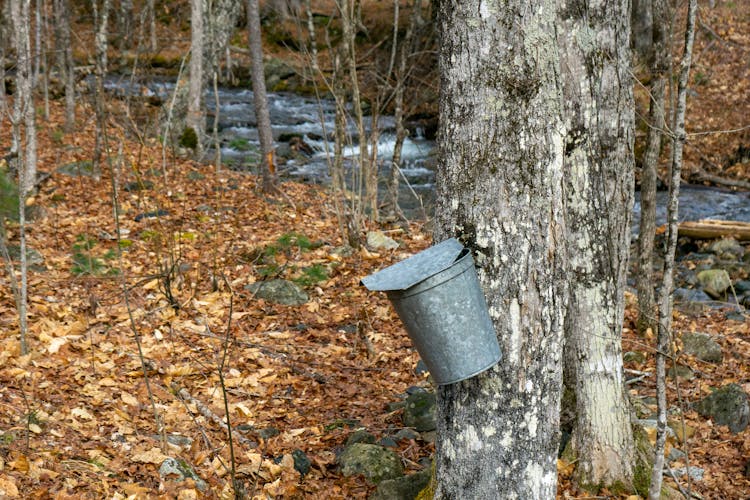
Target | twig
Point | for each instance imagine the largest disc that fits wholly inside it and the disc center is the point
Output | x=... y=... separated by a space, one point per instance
x=207 y=412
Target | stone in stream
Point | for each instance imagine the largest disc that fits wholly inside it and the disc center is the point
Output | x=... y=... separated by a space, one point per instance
x=690 y=295
x=702 y=346
x=727 y=249
x=714 y=282
x=727 y=406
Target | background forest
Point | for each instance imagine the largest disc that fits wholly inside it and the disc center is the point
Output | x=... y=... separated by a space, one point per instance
x=191 y=193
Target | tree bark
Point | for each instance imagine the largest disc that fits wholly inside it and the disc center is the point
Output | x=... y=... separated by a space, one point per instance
x=643 y=21
x=195 y=118
x=645 y=269
x=24 y=99
x=23 y=111
x=101 y=19
x=665 y=302
x=260 y=98
x=65 y=59
x=500 y=191
x=598 y=103
x=368 y=192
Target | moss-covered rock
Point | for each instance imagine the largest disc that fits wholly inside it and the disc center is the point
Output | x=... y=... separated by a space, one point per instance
x=372 y=461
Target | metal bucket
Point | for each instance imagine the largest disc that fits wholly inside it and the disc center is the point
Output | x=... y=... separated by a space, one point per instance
x=437 y=295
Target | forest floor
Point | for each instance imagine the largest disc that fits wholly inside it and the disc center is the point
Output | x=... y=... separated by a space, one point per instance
x=167 y=298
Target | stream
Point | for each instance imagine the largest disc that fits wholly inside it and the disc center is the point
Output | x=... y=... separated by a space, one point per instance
x=303 y=126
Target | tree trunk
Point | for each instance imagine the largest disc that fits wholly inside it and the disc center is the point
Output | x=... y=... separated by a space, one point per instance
x=598 y=102
x=500 y=190
x=24 y=99
x=101 y=19
x=647 y=229
x=124 y=24
x=260 y=99
x=665 y=303
x=643 y=22
x=65 y=61
x=368 y=193
x=195 y=118
x=23 y=111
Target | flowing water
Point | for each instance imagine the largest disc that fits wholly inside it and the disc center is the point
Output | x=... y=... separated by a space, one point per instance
x=312 y=121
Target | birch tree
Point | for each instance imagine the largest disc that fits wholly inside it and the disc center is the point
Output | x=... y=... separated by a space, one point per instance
x=500 y=191
x=598 y=101
x=101 y=22
x=24 y=137
x=665 y=299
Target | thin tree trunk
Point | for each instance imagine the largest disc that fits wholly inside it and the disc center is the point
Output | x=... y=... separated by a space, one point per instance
x=260 y=99
x=647 y=313
x=500 y=191
x=598 y=103
x=195 y=118
x=101 y=16
x=392 y=183
x=64 y=52
x=23 y=111
x=124 y=22
x=368 y=171
x=151 y=20
x=665 y=300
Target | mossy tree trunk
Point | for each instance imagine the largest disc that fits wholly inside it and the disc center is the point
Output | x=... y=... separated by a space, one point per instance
x=598 y=102
x=500 y=191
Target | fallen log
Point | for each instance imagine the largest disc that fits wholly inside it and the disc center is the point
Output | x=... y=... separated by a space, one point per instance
x=711 y=229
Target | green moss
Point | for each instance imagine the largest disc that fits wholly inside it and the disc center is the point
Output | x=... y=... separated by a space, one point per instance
x=189 y=138
x=644 y=454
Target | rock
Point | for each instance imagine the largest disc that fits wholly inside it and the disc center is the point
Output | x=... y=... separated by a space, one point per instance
x=727 y=249
x=682 y=432
x=155 y=214
x=33 y=258
x=702 y=346
x=406 y=434
x=742 y=287
x=421 y=368
x=727 y=406
x=634 y=357
x=681 y=371
x=141 y=185
x=268 y=432
x=278 y=291
x=83 y=168
x=372 y=461
x=301 y=462
x=695 y=473
x=179 y=470
x=360 y=436
x=419 y=411
x=376 y=240
x=690 y=295
x=402 y=488
x=387 y=442
x=714 y=282
x=675 y=454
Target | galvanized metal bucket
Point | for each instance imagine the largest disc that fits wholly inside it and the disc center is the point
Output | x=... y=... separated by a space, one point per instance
x=437 y=295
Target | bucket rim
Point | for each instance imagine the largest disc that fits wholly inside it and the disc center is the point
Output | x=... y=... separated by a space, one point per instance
x=462 y=264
